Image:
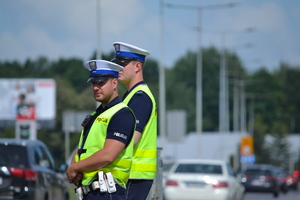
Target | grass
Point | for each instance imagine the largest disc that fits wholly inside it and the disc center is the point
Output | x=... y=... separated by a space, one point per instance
x=71 y=192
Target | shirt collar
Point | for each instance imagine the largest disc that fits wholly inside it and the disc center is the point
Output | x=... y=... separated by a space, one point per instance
x=139 y=83
x=113 y=102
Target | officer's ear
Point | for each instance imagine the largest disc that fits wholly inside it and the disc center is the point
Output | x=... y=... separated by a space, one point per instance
x=138 y=66
x=114 y=81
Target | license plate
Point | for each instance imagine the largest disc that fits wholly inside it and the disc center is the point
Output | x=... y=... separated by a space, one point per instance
x=256 y=183
x=194 y=184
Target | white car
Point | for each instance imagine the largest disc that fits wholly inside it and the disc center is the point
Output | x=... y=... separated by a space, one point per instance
x=202 y=180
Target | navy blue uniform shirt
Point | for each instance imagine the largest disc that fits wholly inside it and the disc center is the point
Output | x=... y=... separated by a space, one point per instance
x=141 y=105
x=121 y=125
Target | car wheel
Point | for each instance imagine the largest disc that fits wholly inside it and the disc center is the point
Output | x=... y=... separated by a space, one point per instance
x=67 y=196
x=285 y=189
x=296 y=186
x=46 y=197
x=276 y=194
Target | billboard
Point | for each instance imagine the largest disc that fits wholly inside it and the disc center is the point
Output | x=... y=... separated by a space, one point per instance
x=29 y=98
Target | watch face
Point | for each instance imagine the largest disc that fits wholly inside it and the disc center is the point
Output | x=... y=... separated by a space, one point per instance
x=93 y=65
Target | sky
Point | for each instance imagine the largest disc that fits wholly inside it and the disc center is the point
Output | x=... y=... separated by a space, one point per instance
x=66 y=29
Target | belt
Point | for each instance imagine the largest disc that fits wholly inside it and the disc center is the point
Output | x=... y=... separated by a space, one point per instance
x=88 y=188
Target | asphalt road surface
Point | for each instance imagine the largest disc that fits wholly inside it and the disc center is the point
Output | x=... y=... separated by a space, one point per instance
x=291 y=195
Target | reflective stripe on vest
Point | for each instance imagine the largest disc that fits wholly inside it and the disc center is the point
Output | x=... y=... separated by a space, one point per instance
x=144 y=155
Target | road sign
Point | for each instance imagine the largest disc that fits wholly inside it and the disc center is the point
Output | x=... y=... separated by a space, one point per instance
x=249 y=159
x=246 y=147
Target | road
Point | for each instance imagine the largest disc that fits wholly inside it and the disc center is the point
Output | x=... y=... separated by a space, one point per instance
x=291 y=195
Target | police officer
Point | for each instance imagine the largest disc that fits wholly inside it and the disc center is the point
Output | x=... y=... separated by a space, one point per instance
x=140 y=99
x=100 y=168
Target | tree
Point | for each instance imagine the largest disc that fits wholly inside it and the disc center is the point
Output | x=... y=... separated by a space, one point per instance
x=273 y=114
x=261 y=152
x=286 y=74
x=181 y=86
x=279 y=146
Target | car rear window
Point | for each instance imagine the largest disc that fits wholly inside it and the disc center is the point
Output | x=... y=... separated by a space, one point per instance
x=199 y=168
x=13 y=156
x=258 y=172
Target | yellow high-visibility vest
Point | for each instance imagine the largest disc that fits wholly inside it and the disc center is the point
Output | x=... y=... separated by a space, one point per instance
x=144 y=152
x=120 y=167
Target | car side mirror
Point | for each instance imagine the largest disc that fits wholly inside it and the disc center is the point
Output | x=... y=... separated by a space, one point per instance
x=62 y=168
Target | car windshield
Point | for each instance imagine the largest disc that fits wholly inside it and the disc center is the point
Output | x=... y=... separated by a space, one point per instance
x=13 y=156
x=199 y=168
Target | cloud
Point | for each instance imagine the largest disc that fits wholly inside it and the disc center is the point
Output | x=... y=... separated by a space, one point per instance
x=69 y=28
x=267 y=17
x=274 y=36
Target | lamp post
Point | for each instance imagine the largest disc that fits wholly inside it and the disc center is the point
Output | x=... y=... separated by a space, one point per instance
x=224 y=124
x=238 y=92
x=199 y=10
x=237 y=100
x=99 y=54
x=162 y=86
x=98 y=21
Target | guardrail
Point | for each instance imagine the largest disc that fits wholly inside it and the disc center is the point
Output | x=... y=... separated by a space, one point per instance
x=156 y=192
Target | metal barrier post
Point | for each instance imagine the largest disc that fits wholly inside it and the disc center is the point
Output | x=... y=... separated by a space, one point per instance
x=156 y=192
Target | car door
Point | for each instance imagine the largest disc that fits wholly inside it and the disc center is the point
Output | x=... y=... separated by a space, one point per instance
x=55 y=180
x=43 y=185
x=47 y=176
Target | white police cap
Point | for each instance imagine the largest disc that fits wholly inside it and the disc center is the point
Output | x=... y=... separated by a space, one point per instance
x=100 y=70
x=127 y=52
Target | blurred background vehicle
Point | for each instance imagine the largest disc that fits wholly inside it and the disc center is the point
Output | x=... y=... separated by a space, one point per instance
x=261 y=178
x=28 y=172
x=293 y=180
x=167 y=165
x=282 y=176
x=202 y=180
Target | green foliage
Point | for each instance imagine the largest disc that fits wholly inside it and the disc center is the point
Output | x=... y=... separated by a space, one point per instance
x=71 y=69
x=276 y=106
x=288 y=78
x=181 y=86
x=11 y=70
x=260 y=130
x=279 y=146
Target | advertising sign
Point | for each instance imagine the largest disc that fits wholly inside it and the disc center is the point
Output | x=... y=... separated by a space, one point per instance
x=26 y=112
x=27 y=99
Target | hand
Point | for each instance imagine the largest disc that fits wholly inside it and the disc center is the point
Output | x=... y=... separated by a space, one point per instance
x=78 y=177
x=73 y=175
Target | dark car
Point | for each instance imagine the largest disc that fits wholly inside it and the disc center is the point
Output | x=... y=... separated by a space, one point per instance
x=261 y=178
x=27 y=172
x=282 y=177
